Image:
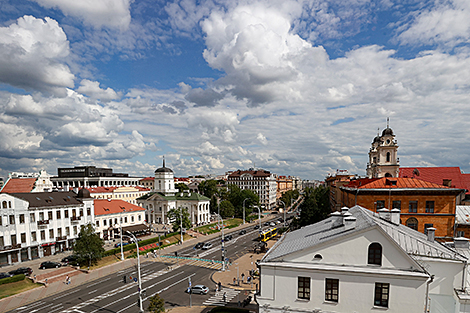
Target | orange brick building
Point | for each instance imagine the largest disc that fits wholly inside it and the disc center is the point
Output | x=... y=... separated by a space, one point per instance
x=284 y=183
x=422 y=204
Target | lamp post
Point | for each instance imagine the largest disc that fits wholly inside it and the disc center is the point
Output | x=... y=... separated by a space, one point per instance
x=222 y=242
x=284 y=211
x=141 y=308
x=244 y=210
x=181 y=224
x=120 y=231
x=259 y=217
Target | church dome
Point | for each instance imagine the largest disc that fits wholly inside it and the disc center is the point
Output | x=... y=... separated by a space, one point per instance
x=387 y=132
x=376 y=139
x=83 y=193
x=163 y=169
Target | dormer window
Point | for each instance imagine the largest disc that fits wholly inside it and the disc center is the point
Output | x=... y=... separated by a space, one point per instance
x=375 y=254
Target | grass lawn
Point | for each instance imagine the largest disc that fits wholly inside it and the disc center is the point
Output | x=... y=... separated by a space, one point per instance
x=7 y=290
x=211 y=228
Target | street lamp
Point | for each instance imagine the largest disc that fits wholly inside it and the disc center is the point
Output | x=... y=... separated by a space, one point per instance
x=181 y=224
x=259 y=217
x=120 y=231
x=141 y=308
x=244 y=210
x=222 y=240
x=284 y=211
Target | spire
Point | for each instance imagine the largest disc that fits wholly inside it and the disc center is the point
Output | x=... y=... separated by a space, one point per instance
x=388 y=122
x=378 y=131
x=163 y=161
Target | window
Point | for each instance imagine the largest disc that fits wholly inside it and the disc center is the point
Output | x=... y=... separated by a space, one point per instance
x=426 y=226
x=460 y=233
x=375 y=254
x=51 y=234
x=104 y=222
x=49 y=214
x=388 y=156
x=331 y=289
x=58 y=215
x=67 y=231
x=32 y=217
x=429 y=206
x=396 y=204
x=412 y=223
x=413 y=206
x=81 y=212
x=303 y=290
x=132 y=218
x=4 y=205
x=43 y=235
x=41 y=216
x=381 y=294
x=12 y=219
x=140 y=217
x=75 y=230
x=33 y=236
x=2 y=243
x=13 y=240
x=1 y=220
x=21 y=218
x=380 y=204
x=97 y=223
x=125 y=219
x=110 y=222
x=66 y=213
x=59 y=232
x=88 y=211
x=23 y=237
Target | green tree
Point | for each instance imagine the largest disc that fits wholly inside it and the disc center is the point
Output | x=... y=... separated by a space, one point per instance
x=315 y=206
x=290 y=195
x=208 y=187
x=236 y=196
x=181 y=187
x=157 y=304
x=88 y=246
x=226 y=209
x=213 y=204
x=175 y=216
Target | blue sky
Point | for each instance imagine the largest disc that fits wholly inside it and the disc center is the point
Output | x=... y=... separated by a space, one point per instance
x=295 y=87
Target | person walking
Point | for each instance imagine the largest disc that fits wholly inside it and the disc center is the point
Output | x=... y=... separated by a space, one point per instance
x=243 y=277
x=220 y=286
x=67 y=279
x=225 y=297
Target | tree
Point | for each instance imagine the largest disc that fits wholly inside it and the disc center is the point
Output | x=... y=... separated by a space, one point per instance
x=226 y=209
x=175 y=216
x=181 y=187
x=288 y=196
x=315 y=206
x=236 y=196
x=213 y=204
x=208 y=187
x=157 y=304
x=88 y=246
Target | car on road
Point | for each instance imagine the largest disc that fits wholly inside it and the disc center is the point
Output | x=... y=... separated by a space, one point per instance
x=272 y=224
x=228 y=238
x=21 y=270
x=242 y=232
x=71 y=259
x=119 y=244
x=256 y=226
x=206 y=246
x=49 y=264
x=199 y=245
x=5 y=275
x=200 y=289
x=266 y=224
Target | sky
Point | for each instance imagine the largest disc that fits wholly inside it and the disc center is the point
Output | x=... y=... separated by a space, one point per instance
x=294 y=87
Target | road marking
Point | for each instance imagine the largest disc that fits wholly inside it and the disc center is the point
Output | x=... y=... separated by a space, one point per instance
x=93 y=291
x=66 y=294
x=33 y=305
x=99 y=282
x=60 y=306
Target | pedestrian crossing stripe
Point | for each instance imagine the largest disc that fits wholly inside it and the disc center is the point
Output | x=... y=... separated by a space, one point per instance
x=218 y=298
x=199 y=263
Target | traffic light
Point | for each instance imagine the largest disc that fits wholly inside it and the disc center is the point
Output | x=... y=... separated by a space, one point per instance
x=176 y=253
x=124 y=279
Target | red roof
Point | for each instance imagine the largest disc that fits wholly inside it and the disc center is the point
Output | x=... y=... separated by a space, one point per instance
x=17 y=185
x=399 y=182
x=437 y=175
x=148 y=178
x=103 y=207
x=360 y=182
x=111 y=189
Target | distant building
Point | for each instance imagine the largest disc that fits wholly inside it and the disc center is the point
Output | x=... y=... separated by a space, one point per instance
x=260 y=181
x=383 y=156
x=147 y=182
x=34 y=225
x=284 y=183
x=112 y=215
x=91 y=176
x=30 y=182
x=128 y=194
x=359 y=261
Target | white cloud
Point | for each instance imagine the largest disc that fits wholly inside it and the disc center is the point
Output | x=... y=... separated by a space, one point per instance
x=110 y=13
x=93 y=90
x=32 y=54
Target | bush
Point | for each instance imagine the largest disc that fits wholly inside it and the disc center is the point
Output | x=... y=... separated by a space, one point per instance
x=223 y=309
x=141 y=244
x=12 y=279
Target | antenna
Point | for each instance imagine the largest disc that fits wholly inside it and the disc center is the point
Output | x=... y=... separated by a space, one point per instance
x=388 y=122
x=163 y=161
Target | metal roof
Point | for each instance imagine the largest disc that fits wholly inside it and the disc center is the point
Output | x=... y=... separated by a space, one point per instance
x=462 y=214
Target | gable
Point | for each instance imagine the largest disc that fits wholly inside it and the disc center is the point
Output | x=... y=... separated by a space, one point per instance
x=352 y=250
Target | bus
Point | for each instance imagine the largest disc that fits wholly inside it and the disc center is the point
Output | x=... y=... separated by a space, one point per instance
x=267 y=234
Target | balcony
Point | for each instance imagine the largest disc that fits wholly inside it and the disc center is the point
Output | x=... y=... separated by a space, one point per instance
x=12 y=247
x=43 y=223
x=61 y=238
x=75 y=219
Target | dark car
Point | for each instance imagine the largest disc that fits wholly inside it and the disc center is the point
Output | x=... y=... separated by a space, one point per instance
x=242 y=232
x=21 y=270
x=49 y=264
x=256 y=226
x=5 y=275
x=228 y=238
x=266 y=223
x=71 y=259
x=199 y=245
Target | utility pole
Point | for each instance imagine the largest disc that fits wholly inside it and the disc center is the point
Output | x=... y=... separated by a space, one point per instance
x=284 y=211
x=141 y=308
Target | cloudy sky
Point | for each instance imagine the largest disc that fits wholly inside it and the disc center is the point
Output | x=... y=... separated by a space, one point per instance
x=294 y=87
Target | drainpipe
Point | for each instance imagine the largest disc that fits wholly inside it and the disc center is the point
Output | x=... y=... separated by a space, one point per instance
x=464 y=275
x=428 y=282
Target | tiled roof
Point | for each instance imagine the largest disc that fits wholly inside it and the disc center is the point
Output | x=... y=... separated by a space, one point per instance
x=103 y=207
x=462 y=214
x=111 y=189
x=147 y=178
x=258 y=173
x=19 y=185
x=49 y=199
x=438 y=174
x=411 y=241
x=401 y=183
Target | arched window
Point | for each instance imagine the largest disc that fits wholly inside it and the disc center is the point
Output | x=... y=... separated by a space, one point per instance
x=388 y=175
x=388 y=156
x=375 y=254
x=4 y=205
x=412 y=223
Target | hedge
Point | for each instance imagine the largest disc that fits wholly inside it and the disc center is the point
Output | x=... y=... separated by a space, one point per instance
x=12 y=279
x=223 y=309
x=141 y=244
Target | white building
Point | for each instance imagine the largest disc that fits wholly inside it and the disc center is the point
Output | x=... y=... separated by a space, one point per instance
x=34 y=225
x=126 y=193
x=260 y=181
x=165 y=197
x=356 y=261
x=383 y=155
x=28 y=182
x=112 y=215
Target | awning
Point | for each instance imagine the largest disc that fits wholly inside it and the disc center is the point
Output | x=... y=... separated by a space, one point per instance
x=135 y=228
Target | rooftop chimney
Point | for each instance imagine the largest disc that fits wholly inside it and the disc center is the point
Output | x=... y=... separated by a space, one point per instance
x=395 y=216
x=349 y=222
x=337 y=219
x=384 y=214
x=344 y=209
x=461 y=242
x=447 y=182
x=431 y=233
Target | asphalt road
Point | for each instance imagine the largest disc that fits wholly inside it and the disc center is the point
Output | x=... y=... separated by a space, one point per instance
x=111 y=294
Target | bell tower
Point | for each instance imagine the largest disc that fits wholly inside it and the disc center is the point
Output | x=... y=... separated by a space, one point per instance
x=383 y=156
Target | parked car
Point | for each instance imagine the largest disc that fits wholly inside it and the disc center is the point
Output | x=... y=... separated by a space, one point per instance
x=242 y=232
x=228 y=238
x=206 y=246
x=256 y=226
x=5 y=275
x=199 y=245
x=200 y=289
x=21 y=270
x=71 y=259
x=49 y=264
x=272 y=224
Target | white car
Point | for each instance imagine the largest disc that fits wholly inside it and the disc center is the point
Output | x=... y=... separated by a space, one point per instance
x=200 y=289
x=206 y=246
x=272 y=224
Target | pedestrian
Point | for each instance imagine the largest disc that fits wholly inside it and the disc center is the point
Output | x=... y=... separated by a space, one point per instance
x=234 y=281
x=216 y=289
x=67 y=279
x=220 y=286
x=225 y=297
x=70 y=280
x=243 y=277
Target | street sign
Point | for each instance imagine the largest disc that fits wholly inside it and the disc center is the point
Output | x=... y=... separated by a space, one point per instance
x=135 y=279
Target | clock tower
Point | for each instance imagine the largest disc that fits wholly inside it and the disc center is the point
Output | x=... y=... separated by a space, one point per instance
x=383 y=157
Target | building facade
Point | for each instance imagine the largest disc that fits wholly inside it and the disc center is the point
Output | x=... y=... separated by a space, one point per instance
x=260 y=181
x=34 y=225
x=284 y=183
x=128 y=194
x=383 y=155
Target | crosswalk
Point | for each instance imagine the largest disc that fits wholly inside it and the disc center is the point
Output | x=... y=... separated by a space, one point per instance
x=192 y=262
x=218 y=299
